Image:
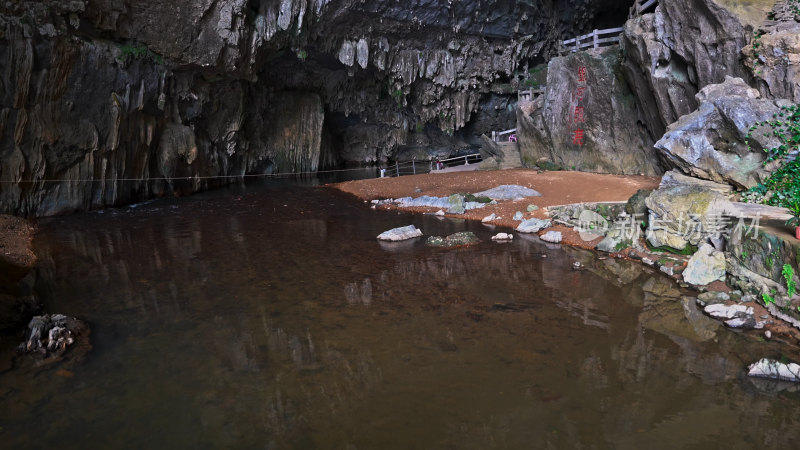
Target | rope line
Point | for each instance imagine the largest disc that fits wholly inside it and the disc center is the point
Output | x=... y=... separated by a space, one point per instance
x=207 y=177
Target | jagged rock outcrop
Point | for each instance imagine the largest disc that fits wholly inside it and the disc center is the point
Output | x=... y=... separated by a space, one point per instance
x=711 y=143
x=612 y=141
x=105 y=102
x=774 y=56
x=682 y=47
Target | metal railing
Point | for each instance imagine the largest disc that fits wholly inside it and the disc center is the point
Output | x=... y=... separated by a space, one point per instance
x=416 y=167
x=591 y=40
x=498 y=135
x=530 y=94
x=641 y=6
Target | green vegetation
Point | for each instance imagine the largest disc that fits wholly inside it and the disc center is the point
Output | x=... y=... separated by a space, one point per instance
x=788 y=275
x=548 y=165
x=756 y=46
x=688 y=250
x=302 y=55
x=794 y=210
x=134 y=51
x=768 y=298
x=623 y=245
x=397 y=95
x=473 y=198
x=420 y=126
x=782 y=188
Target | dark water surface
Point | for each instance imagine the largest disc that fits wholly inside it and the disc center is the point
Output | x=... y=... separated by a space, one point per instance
x=270 y=317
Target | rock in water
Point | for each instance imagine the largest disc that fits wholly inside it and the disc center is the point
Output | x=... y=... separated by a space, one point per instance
x=518 y=216
x=705 y=266
x=768 y=368
x=551 y=236
x=502 y=237
x=489 y=218
x=400 y=234
x=533 y=225
x=460 y=239
x=50 y=335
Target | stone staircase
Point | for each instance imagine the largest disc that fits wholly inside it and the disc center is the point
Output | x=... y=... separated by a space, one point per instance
x=511 y=155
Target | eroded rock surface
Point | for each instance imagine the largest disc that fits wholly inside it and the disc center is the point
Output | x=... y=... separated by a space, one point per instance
x=711 y=143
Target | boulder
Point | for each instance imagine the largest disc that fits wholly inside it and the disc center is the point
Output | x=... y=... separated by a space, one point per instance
x=705 y=266
x=533 y=225
x=612 y=141
x=768 y=368
x=552 y=237
x=508 y=192
x=636 y=204
x=710 y=143
x=400 y=234
x=456 y=204
x=680 y=210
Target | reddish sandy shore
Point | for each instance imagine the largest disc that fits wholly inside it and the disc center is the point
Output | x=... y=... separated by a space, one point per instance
x=557 y=188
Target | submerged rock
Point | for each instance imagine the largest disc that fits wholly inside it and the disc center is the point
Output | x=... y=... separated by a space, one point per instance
x=400 y=234
x=459 y=239
x=533 y=225
x=49 y=336
x=768 y=368
x=705 y=266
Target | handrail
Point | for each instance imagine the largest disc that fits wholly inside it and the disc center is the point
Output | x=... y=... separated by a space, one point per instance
x=416 y=167
x=640 y=6
x=575 y=44
x=527 y=94
x=496 y=135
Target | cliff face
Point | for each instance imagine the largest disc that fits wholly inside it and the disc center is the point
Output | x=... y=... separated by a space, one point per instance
x=109 y=97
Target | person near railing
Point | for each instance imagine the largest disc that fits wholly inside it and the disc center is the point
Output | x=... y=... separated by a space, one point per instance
x=512 y=138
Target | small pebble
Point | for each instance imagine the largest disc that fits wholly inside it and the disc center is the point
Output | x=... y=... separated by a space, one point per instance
x=768 y=334
x=765 y=316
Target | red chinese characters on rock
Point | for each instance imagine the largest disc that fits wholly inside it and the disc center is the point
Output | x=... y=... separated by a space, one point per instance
x=578 y=115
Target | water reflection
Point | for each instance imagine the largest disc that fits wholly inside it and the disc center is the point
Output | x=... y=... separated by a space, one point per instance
x=274 y=319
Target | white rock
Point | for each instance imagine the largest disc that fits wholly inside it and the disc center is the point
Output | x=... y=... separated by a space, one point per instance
x=705 y=266
x=767 y=368
x=440 y=213
x=721 y=311
x=551 y=236
x=533 y=225
x=400 y=234
x=489 y=218
x=768 y=334
x=502 y=237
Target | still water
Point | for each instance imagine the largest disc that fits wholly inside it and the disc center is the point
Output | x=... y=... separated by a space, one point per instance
x=270 y=317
